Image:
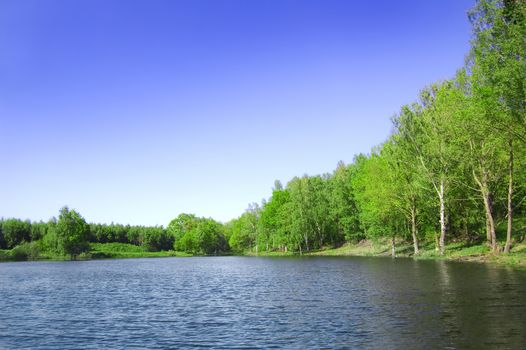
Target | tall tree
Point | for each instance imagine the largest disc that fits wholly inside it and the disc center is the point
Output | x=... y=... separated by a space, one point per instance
x=407 y=183
x=432 y=141
x=481 y=146
x=343 y=208
x=376 y=197
x=497 y=62
x=179 y=226
x=72 y=233
x=275 y=219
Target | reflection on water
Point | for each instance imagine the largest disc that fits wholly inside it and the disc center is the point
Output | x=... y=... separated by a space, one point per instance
x=235 y=302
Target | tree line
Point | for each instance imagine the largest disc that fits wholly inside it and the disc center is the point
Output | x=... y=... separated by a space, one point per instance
x=453 y=169
x=70 y=235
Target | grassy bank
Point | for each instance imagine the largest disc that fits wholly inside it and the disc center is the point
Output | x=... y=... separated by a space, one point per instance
x=31 y=251
x=123 y=250
x=454 y=251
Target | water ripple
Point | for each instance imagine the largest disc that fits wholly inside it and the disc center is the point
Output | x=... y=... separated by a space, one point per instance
x=247 y=303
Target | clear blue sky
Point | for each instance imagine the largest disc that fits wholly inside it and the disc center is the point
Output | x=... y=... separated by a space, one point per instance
x=136 y=111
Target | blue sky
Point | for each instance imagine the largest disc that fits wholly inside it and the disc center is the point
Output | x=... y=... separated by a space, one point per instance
x=136 y=111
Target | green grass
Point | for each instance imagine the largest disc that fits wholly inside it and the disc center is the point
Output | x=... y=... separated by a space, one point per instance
x=97 y=251
x=458 y=251
x=366 y=248
x=455 y=251
x=265 y=253
x=123 y=250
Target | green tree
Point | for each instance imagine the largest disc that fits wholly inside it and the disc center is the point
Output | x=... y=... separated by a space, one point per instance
x=157 y=238
x=135 y=235
x=343 y=208
x=480 y=149
x=38 y=230
x=408 y=189
x=275 y=219
x=376 y=197
x=199 y=235
x=210 y=238
x=2 y=239
x=72 y=233
x=16 y=231
x=181 y=225
x=432 y=141
x=243 y=232
x=497 y=64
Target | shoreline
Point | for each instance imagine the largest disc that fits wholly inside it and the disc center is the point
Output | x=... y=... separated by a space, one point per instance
x=460 y=252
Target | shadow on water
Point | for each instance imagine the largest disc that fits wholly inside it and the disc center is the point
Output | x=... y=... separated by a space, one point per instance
x=482 y=306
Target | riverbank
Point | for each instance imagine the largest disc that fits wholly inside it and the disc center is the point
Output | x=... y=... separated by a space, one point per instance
x=97 y=251
x=380 y=248
x=454 y=252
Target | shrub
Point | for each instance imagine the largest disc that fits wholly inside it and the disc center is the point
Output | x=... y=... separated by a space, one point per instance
x=26 y=251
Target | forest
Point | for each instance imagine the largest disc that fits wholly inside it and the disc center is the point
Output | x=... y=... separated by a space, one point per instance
x=452 y=170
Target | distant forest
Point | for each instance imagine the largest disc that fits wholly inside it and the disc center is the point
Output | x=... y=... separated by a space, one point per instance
x=453 y=169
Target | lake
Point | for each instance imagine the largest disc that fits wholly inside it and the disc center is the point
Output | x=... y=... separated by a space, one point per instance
x=249 y=302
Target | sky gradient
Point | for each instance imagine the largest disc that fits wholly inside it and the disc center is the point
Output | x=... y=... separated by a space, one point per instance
x=136 y=111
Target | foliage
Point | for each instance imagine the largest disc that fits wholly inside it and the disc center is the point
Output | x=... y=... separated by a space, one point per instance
x=26 y=251
x=202 y=236
x=156 y=239
x=124 y=250
x=72 y=233
x=15 y=232
x=181 y=225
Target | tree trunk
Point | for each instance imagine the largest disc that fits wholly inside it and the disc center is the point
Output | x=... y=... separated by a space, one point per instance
x=442 y=218
x=465 y=229
x=507 y=248
x=320 y=236
x=488 y=208
x=490 y=222
x=488 y=229
x=393 y=252
x=413 y=228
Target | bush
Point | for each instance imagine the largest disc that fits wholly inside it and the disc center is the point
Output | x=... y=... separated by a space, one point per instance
x=49 y=242
x=15 y=232
x=5 y=255
x=26 y=251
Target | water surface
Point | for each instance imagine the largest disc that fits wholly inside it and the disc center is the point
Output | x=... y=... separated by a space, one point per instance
x=244 y=302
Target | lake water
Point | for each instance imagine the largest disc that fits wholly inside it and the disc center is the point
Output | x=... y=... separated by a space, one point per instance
x=243 y=302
